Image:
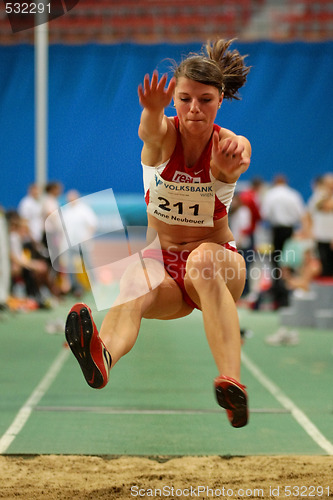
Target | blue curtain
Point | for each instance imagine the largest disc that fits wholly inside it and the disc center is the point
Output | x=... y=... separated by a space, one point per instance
x=94 y=113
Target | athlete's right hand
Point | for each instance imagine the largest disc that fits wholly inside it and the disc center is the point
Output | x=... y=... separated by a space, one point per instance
x=153 y=96
x=230 y=157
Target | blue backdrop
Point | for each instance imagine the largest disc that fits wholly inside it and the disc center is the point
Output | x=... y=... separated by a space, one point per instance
x=285 y=111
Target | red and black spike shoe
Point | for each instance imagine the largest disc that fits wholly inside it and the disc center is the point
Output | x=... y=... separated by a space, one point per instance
x=232 y=396
x=87 y=346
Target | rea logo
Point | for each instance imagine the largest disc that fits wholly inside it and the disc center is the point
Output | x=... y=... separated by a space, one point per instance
x=183 y=177
x=26 y=14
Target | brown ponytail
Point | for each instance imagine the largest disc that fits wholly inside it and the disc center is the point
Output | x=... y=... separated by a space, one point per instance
x=232 y=66
x=217 y=66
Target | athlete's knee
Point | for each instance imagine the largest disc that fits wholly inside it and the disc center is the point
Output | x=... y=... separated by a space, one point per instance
x=203 y=265
x=213 y=264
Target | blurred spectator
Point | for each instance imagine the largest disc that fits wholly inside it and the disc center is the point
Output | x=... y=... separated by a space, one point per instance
x=53 y=234
x=284 y=209
x=80 y=222
x=30 y=209
x=240 y=220
x=317 y=192
x=28 y=273
x=321 y=214
x=50 y=204
x=300 y=264
x=4 y=261
x=251 y=198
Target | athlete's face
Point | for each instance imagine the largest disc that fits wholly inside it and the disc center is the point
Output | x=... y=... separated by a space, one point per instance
x=196 y=104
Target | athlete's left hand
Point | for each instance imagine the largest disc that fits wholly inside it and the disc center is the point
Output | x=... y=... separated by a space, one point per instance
x=229 y=156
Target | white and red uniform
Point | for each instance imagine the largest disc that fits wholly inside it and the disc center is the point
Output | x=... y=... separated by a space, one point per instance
x=190 y=196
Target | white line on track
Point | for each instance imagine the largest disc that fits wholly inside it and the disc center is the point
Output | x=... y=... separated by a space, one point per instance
x=146 y=411
x=287 y=403
x=24 y=413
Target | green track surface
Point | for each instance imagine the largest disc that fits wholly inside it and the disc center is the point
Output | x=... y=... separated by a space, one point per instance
x=160 y=399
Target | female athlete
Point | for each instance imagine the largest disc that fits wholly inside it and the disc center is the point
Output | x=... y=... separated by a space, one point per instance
x=190 y=166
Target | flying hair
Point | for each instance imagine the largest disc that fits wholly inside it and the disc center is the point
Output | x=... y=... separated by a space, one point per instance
x=216 y=65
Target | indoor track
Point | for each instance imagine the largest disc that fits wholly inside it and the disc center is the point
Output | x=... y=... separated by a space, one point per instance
x=160 y=399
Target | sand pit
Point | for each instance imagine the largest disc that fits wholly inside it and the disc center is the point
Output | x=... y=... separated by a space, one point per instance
x=90 y=477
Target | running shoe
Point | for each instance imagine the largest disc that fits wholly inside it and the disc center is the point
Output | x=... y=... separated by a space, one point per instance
x=283 y=336
x=87 y=346
x=232 y=396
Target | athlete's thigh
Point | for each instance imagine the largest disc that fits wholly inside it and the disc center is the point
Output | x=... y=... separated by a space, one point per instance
x=235 y=274
x=167 y=298
x=228 y=265
x=168 y=302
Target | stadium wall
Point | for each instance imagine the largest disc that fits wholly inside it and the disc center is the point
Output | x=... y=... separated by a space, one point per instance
x=285 y=111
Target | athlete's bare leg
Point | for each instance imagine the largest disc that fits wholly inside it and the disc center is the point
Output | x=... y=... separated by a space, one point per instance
x=121 y=324
x=215 y=279
x=213 y=282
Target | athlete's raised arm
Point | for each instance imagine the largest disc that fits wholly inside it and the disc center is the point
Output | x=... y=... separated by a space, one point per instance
x=154 y=96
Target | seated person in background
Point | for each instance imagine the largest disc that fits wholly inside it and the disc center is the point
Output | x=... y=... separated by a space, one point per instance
x=320 y=216
x=300 y=264
x=30 y=209
x=32 y=272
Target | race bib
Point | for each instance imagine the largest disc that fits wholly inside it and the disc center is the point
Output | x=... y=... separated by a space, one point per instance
x=186 y=204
